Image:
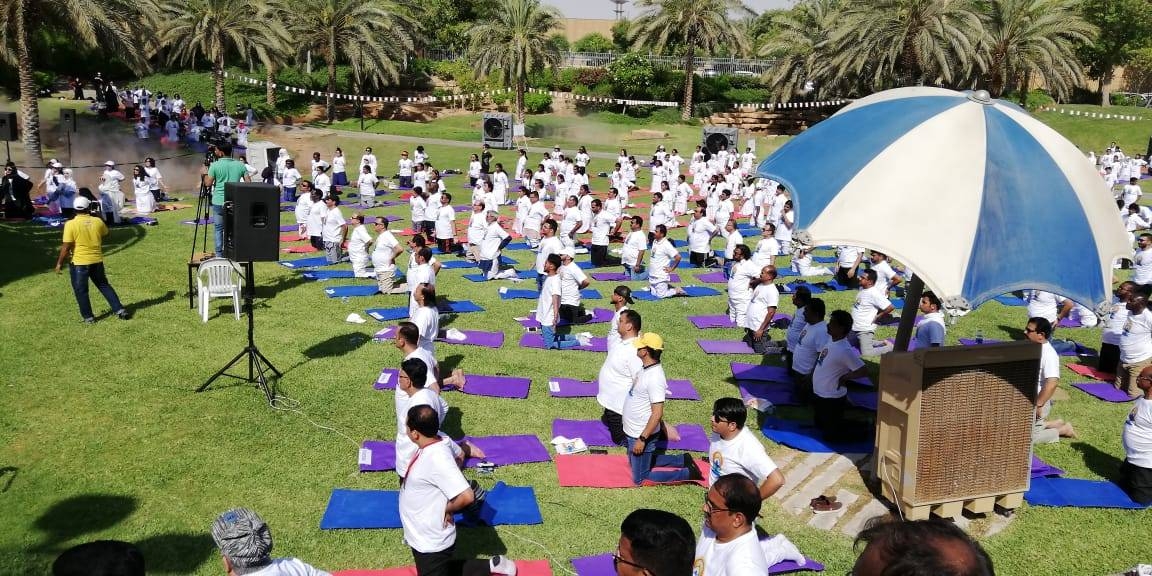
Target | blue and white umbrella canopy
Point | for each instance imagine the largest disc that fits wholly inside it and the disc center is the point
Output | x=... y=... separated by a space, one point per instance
x=974 y=194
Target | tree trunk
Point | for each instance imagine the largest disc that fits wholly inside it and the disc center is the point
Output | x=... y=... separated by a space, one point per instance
x=308 y=63
x=689 y=77
x=520 y=100
x=218 y=77
x=1024 y=88
x=328 y=100
x=29 y=106
x=1105 y=93
x=269 y=90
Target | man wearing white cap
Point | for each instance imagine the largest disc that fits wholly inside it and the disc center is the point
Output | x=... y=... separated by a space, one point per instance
x=83 y=239
x=110 y=186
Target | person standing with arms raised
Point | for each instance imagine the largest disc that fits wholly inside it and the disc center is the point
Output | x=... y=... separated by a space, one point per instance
x=222 y=171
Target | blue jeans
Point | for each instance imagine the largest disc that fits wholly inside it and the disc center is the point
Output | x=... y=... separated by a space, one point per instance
x=289 y=193
x=81 y=274
x=728 y=263
x=642 y=465
x=486 y=267
x=632 y=274
x=552 y=340
x=218 y=224
x=539 y=281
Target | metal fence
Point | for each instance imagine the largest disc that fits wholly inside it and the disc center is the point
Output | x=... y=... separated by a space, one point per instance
x=704 y=66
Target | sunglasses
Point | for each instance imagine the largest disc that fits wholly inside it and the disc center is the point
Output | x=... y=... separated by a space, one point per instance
x=617 y=561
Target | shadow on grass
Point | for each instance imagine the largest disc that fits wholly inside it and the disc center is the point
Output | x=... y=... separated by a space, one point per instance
x=8 y=473
x=1100 y=463
x=73 y=517
x=1013 y=332
x=176 y=553
x=145 y=304
x=453 y=424
x=337 y=346
x=39 y=247
x=480 y=541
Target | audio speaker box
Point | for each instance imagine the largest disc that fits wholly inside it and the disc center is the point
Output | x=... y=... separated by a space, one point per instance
x=8 y=127
x=271 y=154
x=68 y=119
x=717 y=138
x=496 y=130
x=954 y=427
x=251 y=222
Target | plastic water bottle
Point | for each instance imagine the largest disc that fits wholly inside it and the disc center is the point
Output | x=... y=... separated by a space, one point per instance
x=979 y=336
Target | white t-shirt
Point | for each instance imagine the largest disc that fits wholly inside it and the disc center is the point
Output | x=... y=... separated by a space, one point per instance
x=383 y=252
x=767 y=249
x=417 y=275
x=1131 y=194
x=613 y=328
x=739 y=557
x=358 y=240
x=662 y=255
x=743 y=455
x=635 y=243
x=1043 y=304
x=602 y=224
x=418 y=206
x=1136 y=338
x=811 y=340
x=432 y=480
x=477 y=224
x=548 y=245
x=494 y=234
x=333 y=220
x=339 y=164
x=1049 y=365
x=370 y=160
x=445 y=216
x=427 y=321
x=367 y=184
x=304 y=209
x=290 y=177
x=1114 y=324
x=571 y=276
x=545 y=312
x=739 y=280
x=1137 y=436
x=846 y=256
x=733 y=240
x=700 y=233
x=536 y=215
x=659 y=214
x=288 y=567
x=765 y=296
x=869 y=303
x=619 y=370
x=1142 y=262
x=432 y=211
x=836 y=359
x=650 y=387
x=884 y=273
x=931 y=331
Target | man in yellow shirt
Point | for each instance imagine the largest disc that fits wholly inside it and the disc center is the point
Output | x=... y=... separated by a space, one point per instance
x=83 y=238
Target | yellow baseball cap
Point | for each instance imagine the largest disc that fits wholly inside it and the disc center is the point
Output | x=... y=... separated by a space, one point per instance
x=649 y=340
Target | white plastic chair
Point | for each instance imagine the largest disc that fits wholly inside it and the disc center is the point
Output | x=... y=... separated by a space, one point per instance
x=218 y=278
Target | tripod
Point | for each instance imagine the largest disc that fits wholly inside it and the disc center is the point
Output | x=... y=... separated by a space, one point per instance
x=203 y=218
x=257 y=363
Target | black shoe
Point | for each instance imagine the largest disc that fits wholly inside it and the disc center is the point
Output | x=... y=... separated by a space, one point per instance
x=693 y=469
x=479 y=493
x=124 y=314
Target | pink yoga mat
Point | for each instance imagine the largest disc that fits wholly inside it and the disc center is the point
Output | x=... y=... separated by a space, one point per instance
x=594 y=433
x=1086 y=370
x=572 y=388
x=605 y=471
x=292 y=238
x=471 y=338
x=599 y=316
x=534 y=340
x=523 y=568
x=475 y=384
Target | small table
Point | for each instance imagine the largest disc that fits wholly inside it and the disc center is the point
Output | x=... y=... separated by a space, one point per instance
x=193 y=266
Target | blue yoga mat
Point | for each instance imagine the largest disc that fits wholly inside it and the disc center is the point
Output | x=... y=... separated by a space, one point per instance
x=786 y=272
x=824 y=259
x=305 y=262
x=1010 y=300
x=1078 y=493
x=835 y=286
x=359 y=509
x=523 y=275
x=328 y=274
x=346 y=291
x=518 y=246
x=791 y=287
x=691 y=291
x=806 y=438
x=457 y=264
x=522 y=294
x=400 y=312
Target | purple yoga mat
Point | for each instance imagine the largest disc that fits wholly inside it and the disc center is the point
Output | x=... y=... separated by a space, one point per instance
x=863 y=399
x=725 y=347
x=1080 y=350
x=744 y=371
x=780 y=320
x=778 y=393
x=475 y=384
x=716 y=277
x=534 y=340
x=599 y=316
x=594 y=433
x=1103 y=390
x=1069 y=323
x=1041 y=469
x=621 y=277
x=499 y=450
x=290 y=228
x=602 y=565
x=471 y=337
x=572 y=388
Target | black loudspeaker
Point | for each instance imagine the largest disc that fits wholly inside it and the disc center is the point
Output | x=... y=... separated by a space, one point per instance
x=496 y=130
x=251 y=222
x=717 y=138
x=8 y=126
x=271 y=154
x=68 y=119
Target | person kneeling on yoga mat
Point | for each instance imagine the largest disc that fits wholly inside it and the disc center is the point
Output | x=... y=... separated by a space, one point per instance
x=433 y=490
x=1136 y=471
x=643 y=426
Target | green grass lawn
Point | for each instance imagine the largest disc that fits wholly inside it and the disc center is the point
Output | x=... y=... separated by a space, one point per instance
x=102 y=435
x=1098 y=133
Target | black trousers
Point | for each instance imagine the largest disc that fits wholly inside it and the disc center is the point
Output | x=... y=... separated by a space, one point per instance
x=1137 y=482
x=698 y=259
x=615 y=424
x=443 y=564
x=1109 y=358
x=829 y=416
x=571 y=313
x=845 y=279
x=599 y=256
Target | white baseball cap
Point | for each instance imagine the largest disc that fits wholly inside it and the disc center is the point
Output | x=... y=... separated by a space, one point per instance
x=81 y=203
x=109 y=163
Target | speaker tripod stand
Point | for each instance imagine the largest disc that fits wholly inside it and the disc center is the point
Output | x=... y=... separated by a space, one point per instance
x=258 y=364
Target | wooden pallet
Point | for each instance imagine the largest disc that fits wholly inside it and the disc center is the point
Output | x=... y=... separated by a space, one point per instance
x=975 y=505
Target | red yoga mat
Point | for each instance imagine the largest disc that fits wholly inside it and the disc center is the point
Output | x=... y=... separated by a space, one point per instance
x=606 y=471
x=1086 y=370
x=523 y=568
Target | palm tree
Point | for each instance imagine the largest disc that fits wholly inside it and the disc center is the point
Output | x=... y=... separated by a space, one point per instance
x=515 y=43
x=214 y=29
x=705 y=25
x=1026 y=37
x=906 y=42
x=90 y=24
x=799 y=44
x=373 y=36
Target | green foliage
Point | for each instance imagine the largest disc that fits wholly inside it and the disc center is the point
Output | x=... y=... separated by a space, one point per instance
x=1125 y=100
x=632 y=76
x=558 y=42
x=622 y=36
x=449 y=70
x=594 y=42
x=1125 y=26
x=712 y=89
x=1138 y=71
x=197 y=87
x=536 y=103
x=565 y=79
x=1036 y=99
x=758 y=95
x=592 y=76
